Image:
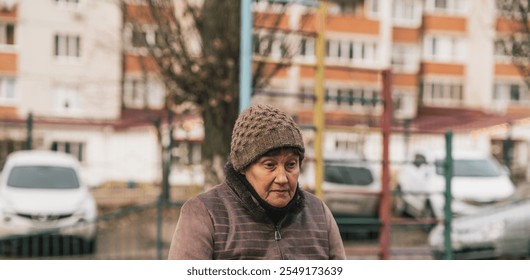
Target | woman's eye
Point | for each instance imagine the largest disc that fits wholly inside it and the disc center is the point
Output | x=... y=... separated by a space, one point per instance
x=269 y=165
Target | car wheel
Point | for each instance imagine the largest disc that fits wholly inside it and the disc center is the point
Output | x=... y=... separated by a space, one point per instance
x=399 y=206
x=426 y=214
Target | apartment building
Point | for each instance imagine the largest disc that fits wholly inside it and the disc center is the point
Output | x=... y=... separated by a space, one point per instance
x=448 y=73
x=440 y=52
x=74 y=64
x=60 y=62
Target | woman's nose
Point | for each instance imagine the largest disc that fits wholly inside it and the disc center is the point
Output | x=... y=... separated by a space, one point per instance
x=281 y=176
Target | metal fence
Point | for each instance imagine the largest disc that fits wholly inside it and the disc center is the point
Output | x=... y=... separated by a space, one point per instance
x=135 y=224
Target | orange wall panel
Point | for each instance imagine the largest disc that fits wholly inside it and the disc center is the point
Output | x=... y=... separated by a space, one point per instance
x=138 y=13
x=307 y=72
x=8 y=63
x=5 y=14
x=281 y=73
x=344 y=23
x=442 y=69
x=352 y=25
x=405 y=35
x=506 y=70
x=444 y=23
x=141 y=14
x=271 y=20
x=405 y=80
x=505 y=26
x=308 y=23
x=8 y=112
x=139 y=64
x=342 y=74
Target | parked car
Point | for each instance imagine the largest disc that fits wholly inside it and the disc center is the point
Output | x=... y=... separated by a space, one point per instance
x=351 y=187
x=478 y=180
x=497 y=231
x=41 y=192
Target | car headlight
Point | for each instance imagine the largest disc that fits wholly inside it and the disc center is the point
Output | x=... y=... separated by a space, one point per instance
x=86 y=211
x=6 y=212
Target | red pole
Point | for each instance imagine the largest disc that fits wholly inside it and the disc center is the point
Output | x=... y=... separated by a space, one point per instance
x=384 y=206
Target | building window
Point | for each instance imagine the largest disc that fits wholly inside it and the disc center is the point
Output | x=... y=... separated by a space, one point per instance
x=269 y=6
x=68 y=3
x=280 y=46
x=7 y=33
x=403 y=103
x=406 y=12
x=7 y=90
x=307 y=47
x=443 y=93
x=373 y=8
x=347 y=142
x=277 y=45
x=514 y=93
x=351 y=98
x=255 y=44
x=444 y=48
x=136 y=92
x=405 y=58
x=143 y=36
x=307 y=95
x=66 y=99
x=356 y=52
x=68 y=46
x=75 y=149
x=447 y=6
x=345 y=7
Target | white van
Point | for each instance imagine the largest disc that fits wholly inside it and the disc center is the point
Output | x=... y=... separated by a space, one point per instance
x=42 y=192
x=478 y=180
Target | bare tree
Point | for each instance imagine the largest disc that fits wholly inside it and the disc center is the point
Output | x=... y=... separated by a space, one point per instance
x=195 y=51
x=516 y=42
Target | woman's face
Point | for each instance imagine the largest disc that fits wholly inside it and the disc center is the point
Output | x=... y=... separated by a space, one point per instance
x=275 y=177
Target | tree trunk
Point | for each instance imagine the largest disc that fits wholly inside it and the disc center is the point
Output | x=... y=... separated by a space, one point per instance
x=218 y=124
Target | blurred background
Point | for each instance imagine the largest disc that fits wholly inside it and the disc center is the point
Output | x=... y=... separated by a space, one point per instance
x=404 y=105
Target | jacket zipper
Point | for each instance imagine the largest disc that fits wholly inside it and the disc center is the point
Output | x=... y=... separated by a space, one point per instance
x=278 y=236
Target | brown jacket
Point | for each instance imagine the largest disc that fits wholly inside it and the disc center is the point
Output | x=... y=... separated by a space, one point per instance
x=228 y=223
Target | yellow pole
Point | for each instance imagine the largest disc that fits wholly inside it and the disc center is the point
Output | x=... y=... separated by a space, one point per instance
x=318 y=116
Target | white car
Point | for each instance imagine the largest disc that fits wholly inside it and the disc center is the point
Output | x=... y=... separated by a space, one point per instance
x=478 y=180
x=41 y=192
x=350 y=187
x=498 y=231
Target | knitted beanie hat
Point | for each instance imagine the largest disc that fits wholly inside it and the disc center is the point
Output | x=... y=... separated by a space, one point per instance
x=259 y=129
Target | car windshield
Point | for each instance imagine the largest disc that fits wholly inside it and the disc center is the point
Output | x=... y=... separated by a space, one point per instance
x=43 y=177
x=470 y=168
x=348 y=175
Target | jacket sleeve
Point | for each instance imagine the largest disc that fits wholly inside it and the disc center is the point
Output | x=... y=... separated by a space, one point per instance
x=336 y=246
x=193 y=237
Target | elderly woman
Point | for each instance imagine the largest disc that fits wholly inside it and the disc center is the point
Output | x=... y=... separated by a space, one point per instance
x=259 y=212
